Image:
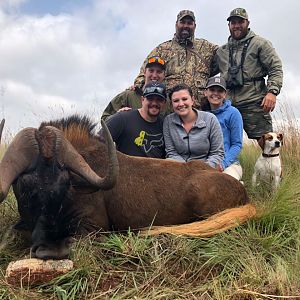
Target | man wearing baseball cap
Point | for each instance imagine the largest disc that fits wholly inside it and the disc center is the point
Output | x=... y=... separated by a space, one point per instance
x=188 y=59
x=131 y=98
x=231 y=123
x=245 y=62
x=139 y=132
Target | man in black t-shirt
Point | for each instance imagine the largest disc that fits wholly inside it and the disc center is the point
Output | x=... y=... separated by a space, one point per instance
x=139 y=132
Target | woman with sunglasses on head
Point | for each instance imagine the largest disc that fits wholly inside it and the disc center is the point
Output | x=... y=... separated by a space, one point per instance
x=190 y=133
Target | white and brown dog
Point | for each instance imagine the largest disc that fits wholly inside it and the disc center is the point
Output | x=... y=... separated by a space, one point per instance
x=268 y=166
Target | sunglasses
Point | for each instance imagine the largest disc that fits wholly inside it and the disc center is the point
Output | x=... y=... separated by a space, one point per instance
x=154 y=89
x=156 y=60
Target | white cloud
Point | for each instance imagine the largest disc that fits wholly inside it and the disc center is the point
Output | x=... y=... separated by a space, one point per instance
x=11 y=3
x=76 y=61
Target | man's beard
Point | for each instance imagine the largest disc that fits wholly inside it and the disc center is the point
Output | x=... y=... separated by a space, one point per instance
x=158 y=108
x=240 y=35
x=185 y=39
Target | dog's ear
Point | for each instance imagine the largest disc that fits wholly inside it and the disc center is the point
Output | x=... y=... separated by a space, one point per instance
x=261 y=141
x=280 y=137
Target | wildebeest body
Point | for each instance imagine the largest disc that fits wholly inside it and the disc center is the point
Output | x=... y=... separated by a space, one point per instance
x=169 y=193
x=159 y=192
x=55 y=203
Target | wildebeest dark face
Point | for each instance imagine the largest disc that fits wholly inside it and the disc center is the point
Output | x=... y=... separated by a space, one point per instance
x=38 y=163
x=41 y=198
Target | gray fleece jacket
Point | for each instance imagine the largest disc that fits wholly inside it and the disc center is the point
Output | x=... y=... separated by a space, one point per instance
x=204 y=141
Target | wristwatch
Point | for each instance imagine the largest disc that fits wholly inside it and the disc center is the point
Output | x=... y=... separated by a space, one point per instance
x=274 y=92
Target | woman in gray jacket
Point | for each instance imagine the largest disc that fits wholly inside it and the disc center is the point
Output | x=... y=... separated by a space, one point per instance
x=192 y=134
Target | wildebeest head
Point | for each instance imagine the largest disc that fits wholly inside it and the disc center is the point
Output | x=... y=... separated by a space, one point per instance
x=38 y=163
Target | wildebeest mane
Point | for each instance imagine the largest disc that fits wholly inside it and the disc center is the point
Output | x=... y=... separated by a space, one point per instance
x=76 y=128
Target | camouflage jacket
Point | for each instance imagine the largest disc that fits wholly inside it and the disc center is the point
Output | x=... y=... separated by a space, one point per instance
x=189 y=65
x=127 y=98
x=261 y=60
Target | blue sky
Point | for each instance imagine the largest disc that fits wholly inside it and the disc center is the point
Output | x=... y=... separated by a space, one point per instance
x=72 y=56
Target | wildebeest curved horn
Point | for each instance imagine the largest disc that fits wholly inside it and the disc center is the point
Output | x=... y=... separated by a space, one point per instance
x=69 y=156
x=20 y=155
x=1 y=128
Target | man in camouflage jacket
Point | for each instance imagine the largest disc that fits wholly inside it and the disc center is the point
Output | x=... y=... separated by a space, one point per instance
x=244 y=62
x=188 y=59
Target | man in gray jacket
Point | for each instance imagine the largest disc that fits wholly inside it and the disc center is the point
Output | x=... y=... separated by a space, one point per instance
x=253 y=73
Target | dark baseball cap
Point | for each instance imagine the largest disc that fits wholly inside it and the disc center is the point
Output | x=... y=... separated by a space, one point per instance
x=217 y=80
x=155 y=89
x=156 y=60
x=186 y=13
x=238 y=12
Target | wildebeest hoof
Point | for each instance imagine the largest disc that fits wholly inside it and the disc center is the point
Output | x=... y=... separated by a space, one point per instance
x=47 y=253
x=58 y=250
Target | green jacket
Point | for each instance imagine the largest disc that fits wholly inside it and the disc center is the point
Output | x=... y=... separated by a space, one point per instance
x=127 y=98
x=184 y=64
x=261 y=60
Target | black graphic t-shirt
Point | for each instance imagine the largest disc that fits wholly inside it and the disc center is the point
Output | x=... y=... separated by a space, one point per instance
x=135 y=136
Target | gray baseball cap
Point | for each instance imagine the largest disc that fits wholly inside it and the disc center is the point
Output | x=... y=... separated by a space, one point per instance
x=217 y=80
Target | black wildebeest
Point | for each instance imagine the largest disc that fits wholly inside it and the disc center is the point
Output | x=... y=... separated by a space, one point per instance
x=68 y=181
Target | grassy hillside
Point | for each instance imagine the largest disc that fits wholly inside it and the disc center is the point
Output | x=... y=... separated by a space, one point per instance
x=259 y=260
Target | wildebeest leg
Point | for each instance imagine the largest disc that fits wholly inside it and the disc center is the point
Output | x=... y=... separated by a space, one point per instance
x=21 y=225
x=58 y=250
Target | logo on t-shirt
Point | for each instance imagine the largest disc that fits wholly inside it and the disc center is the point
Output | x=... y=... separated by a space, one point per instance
x=149 y=141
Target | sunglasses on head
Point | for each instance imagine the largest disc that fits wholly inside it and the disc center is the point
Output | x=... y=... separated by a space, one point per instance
x=156 y=60
x=154 y=89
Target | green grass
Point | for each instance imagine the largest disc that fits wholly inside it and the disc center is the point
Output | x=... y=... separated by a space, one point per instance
x=259 y=260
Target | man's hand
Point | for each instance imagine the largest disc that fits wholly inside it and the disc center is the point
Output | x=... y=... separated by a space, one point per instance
x=126 y=108
x=269 y=102
x=220 y=168
x=132 y=88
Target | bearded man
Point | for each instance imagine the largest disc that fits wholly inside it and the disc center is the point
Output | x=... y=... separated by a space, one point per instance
x=188 y=59
x=253 y=73
x=139 y=132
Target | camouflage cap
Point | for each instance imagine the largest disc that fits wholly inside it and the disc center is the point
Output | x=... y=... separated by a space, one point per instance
x=185 y=13
x=238 y=12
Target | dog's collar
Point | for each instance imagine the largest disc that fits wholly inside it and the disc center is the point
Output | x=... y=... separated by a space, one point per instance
x=270 y=155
